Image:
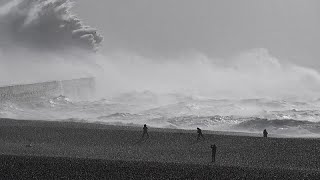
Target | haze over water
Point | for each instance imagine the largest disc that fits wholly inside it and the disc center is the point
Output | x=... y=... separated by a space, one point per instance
x=42 y=40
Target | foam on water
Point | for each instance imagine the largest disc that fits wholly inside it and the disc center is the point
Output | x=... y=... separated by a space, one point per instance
x=188 y=113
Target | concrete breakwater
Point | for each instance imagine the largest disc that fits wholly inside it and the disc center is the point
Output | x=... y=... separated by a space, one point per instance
x=79 y=89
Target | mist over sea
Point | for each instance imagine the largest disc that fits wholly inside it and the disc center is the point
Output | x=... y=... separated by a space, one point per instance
x=42 y=40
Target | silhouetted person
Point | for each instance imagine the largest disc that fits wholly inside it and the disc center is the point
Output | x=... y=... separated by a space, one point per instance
x=214 y=150
x=199 y=134
x=265 y=133
x=145 y=131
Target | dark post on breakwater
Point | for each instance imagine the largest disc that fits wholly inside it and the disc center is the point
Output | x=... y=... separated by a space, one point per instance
x=214 y=150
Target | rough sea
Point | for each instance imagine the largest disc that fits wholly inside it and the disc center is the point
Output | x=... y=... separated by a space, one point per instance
x=42 y=40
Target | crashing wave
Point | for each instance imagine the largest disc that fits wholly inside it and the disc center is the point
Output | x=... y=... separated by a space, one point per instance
x=301 y=122
x=291 y=127
x=45 y=24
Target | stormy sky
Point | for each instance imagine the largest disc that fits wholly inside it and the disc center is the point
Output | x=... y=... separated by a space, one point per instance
x=289 y=29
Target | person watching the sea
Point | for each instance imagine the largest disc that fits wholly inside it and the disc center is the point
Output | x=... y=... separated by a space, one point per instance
x=265 y=133
x=145 y=131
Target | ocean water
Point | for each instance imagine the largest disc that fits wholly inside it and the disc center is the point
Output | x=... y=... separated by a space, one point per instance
x=42 y=40
x=283 y=117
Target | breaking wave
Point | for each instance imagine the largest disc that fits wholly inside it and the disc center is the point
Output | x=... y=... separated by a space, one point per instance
x=44 y=24
x=289 y=118
x=42 y=40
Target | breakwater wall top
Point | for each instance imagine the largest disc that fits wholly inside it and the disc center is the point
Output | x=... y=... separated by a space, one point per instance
x=79 y=89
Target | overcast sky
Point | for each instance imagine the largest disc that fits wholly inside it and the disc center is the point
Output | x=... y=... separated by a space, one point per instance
x=289 y=29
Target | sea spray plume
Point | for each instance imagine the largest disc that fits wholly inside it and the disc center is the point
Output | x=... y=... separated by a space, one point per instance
x=39 y=38
x=45 y=24
x=250 y=74
x=49 y=24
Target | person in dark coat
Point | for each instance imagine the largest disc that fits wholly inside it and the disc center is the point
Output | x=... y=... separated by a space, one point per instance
x=265 y=133
x=214 y=151
x=199 y=134
x=145 y=131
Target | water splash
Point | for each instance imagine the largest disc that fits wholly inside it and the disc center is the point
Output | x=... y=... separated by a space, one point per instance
x=45 y=24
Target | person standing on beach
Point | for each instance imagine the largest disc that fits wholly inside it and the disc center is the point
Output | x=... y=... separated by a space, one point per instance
x=145 y=131
x=214 y=151
x=199 y=134
x=265 y=133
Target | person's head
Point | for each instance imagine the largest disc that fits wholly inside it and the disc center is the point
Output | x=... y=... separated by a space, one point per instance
x=145 y=125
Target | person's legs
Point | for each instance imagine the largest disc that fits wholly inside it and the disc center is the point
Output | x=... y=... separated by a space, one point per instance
x=143 y=134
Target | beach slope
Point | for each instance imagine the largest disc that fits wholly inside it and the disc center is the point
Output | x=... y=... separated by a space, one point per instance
x=45 y=149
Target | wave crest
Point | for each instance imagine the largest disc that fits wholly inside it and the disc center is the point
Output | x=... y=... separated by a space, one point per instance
x=45 y=24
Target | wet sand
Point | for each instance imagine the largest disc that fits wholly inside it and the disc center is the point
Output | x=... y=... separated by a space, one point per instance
x=97 y=151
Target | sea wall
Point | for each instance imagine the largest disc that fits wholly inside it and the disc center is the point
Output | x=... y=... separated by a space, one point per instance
x=81 y=89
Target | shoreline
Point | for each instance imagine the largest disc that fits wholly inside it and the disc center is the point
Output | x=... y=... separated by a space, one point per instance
x=137 y=127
